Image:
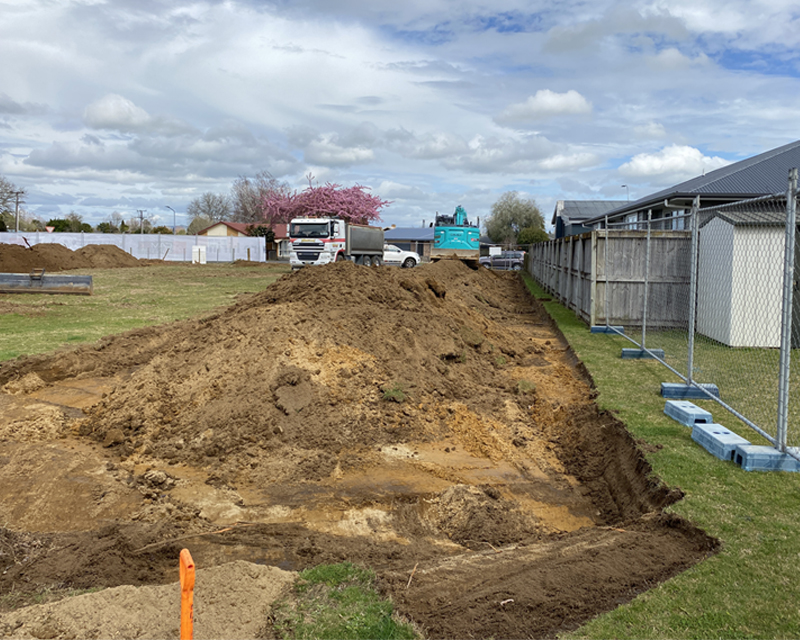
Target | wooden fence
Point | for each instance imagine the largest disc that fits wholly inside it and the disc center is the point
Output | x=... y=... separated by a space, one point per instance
x=574 y=270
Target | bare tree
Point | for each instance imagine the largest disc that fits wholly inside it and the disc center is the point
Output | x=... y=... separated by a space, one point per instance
x=211 y=206
x=248 y=195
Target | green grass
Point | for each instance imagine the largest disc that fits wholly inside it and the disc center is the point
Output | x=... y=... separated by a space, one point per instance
x=338 y=601
x=394 y=392
x=751 y=589
x=124 y=299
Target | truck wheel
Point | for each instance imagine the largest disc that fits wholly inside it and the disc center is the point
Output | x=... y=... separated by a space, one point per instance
x=340 y=257
x=366 y=261
x=409 y=262
x=376 y=261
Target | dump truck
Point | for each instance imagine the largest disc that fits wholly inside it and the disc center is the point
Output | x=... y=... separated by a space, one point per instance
x=316 y=241
x=455 y=238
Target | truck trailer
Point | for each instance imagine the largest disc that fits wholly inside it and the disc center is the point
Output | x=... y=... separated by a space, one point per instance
x=316 y=241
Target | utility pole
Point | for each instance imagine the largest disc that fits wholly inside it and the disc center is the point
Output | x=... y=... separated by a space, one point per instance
x=173 y=217
x=17 y=194
x=141 y=213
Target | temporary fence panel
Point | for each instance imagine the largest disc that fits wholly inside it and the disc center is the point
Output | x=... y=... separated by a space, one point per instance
x=718 y=304
x=152 y=246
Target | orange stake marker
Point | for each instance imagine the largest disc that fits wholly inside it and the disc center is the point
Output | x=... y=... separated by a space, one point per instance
x=187 y=595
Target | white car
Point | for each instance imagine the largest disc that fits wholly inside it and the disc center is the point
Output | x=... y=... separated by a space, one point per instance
x=395 y=256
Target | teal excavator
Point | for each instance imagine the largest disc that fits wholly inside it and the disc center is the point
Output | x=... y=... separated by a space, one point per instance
x=454 y=238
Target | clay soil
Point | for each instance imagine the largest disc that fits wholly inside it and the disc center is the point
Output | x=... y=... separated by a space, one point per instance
x=430 y=423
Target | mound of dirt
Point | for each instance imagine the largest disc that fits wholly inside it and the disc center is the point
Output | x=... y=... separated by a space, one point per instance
x=230 y=601
x=427 y=418
x=56 y=257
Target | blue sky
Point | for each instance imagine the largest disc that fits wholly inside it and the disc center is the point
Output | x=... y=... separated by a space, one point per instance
x=114 y=106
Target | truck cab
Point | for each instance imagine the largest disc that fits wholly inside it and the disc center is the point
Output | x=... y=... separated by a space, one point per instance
x=318 y=241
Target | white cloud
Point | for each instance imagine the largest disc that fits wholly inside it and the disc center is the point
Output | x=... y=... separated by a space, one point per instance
x=545 y=104
x=326 y=151
x=674 y=163
x=569 y=162
x=115 y=112
x=650 y=131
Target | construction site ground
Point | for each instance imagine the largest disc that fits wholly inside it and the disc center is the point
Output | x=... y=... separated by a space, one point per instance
x=431 y=424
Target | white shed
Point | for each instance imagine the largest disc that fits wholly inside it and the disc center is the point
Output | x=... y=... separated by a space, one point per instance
x=740 y=277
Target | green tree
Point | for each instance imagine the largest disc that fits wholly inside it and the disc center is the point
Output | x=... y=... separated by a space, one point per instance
x=198 y=224
x=107 y=227
x=262 y=231
x=532 y=235
x=510 y=215
x=60 y=225
x=162 y=229
x=76 y=223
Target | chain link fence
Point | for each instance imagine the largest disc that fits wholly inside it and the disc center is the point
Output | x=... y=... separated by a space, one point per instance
x=712 y=293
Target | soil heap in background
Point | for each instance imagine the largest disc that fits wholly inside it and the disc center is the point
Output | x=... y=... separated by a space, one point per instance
x=56 y=257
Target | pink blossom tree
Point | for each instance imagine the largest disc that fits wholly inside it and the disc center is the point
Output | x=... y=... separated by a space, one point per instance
x=352 y=204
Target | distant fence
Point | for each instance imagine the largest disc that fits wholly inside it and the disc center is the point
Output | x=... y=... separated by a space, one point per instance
x=152 y=246
x=717 y=304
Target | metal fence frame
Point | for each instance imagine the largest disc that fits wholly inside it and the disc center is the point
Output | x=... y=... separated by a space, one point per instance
x=579 y=271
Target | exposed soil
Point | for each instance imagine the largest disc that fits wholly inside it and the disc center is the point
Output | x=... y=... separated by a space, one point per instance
x=56 y=257
x=429 y=423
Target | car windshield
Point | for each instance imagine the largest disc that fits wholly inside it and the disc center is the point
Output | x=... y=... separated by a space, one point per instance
x=391 y=247
x=309 y=230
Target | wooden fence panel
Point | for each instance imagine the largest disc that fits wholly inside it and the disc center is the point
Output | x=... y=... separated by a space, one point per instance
x=577 y=270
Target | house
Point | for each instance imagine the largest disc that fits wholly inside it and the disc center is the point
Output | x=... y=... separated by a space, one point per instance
x=236 y=229
x=278 y=249
x=569 y=215
x=761 y=175
x=417 y=239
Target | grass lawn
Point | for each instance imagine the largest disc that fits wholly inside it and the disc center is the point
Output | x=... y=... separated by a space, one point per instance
x=751 y=589
x=124 y=299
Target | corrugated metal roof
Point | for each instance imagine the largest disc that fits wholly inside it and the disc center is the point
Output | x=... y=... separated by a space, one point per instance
x=578 y=210
x=764 y=174
x=413 y=234
x=751 y=217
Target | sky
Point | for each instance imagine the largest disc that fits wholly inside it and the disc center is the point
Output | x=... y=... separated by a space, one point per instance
x=126 y=105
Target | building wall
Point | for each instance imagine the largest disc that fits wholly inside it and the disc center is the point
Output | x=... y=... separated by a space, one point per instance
x=740 y=279
x=222 y=230
x=757 y=285
x=715 y=281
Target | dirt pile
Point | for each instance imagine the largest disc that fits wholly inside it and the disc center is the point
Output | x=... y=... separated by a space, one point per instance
x=56 y=257
x=401 y=418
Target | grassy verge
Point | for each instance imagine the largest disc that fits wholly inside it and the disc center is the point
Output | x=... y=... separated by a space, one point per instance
x=338 y=601
x=751 y=589
x=123 y=299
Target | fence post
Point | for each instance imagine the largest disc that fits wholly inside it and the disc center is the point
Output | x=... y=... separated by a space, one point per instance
x=646 y=278
x=695 y=222
x=605 y=271
x=786 y=319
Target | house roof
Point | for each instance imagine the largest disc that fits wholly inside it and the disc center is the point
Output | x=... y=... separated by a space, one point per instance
x=752 y=216
x=413 y=234
x=764 y=174
x=281 y=230
x=241 y=227
x=579 y=210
